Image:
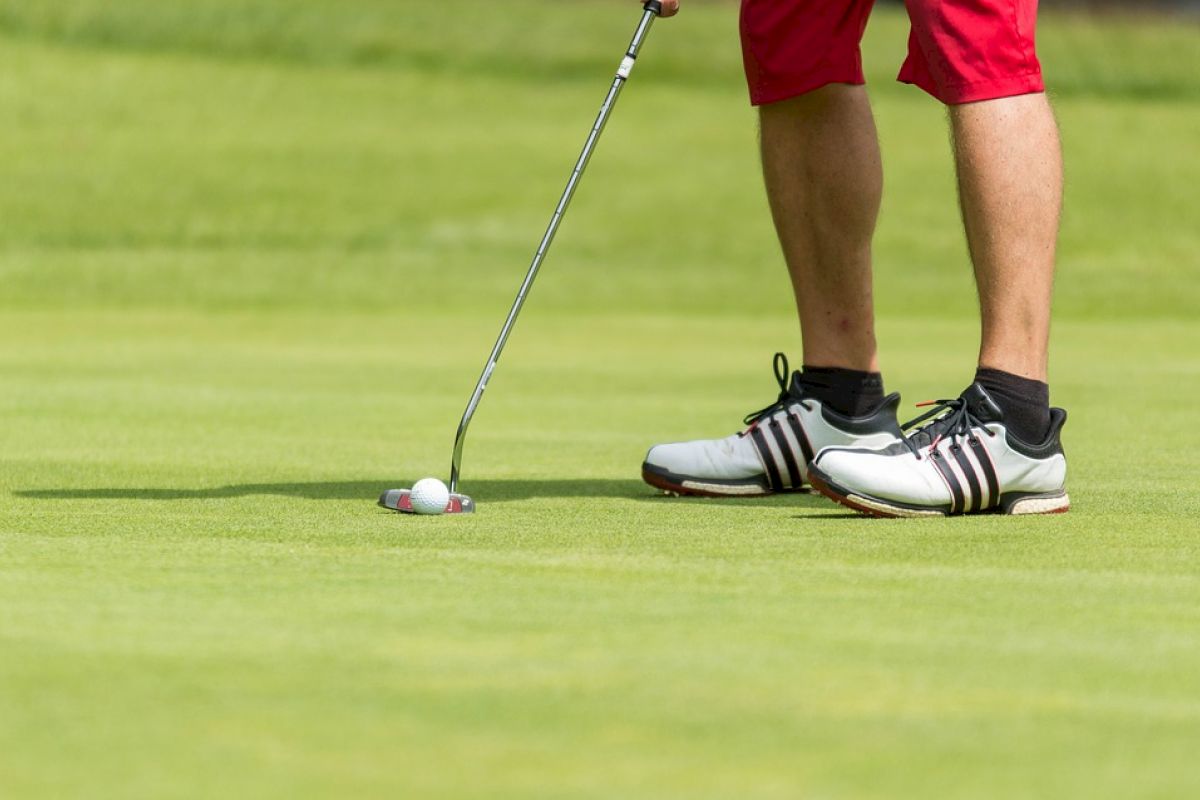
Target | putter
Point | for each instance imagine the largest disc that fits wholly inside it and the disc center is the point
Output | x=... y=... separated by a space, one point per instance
x=401 y=499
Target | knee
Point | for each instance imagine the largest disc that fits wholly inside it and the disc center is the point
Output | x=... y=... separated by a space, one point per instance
x=819 y=102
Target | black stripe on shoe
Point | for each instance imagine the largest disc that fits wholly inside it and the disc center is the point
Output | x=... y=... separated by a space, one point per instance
x=801 y=437
x=786 y=449
x=968 y=471
x=768 y=459
x=956 y=492
x=988 y=469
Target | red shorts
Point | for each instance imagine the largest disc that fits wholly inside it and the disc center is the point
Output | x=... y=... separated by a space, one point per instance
x=960 y=51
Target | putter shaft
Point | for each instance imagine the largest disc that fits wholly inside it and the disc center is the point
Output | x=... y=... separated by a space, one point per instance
x=651 y=10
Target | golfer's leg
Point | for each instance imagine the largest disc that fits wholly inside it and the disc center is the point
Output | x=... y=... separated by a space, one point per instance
x=821 y=160
x=822 y=166
x=980 y=58
x=824 y=181
x=1010 y=178
x=1010 y=186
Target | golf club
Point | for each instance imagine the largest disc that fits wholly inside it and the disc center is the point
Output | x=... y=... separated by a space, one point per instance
x=401 y=499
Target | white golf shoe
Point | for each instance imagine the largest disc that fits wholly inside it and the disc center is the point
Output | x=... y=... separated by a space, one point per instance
x=962 y=460
x=773 y=453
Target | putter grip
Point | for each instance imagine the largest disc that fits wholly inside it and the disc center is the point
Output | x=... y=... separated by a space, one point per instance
x=653 y=5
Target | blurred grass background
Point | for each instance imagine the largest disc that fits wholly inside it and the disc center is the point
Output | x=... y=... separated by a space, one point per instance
x=252 y=255
x=303 y=133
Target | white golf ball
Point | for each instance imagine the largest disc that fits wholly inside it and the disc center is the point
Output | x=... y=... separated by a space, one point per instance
x=430 y=496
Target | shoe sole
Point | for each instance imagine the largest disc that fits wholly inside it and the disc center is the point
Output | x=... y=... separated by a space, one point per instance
x=686 y=486
x=1012 y=504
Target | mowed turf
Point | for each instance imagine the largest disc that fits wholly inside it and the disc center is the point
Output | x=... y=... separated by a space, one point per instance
x=252 y=256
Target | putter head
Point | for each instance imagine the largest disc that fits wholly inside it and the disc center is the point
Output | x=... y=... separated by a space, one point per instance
x=401 y=500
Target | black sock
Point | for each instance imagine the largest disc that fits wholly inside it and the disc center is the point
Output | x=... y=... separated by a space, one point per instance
x=1025 y=402
x=847 y=391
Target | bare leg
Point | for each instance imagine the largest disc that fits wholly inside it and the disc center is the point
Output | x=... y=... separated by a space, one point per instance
x=1010 y=187
x=824 y=181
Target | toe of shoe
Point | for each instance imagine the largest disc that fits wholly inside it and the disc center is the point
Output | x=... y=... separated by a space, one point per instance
x=670 y=457
x=894 y=477
x=706 y=458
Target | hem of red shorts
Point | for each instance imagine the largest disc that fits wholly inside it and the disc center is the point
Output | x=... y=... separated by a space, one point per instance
x=762 y=96
x=958 y=94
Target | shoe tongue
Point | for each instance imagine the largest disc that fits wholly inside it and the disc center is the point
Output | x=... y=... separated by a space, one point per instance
x=981 y=405
x=796 y=387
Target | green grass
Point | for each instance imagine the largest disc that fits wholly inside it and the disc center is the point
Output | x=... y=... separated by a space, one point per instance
x=252 y=255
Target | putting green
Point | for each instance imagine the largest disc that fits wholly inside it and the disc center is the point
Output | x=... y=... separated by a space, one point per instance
x=252 y=257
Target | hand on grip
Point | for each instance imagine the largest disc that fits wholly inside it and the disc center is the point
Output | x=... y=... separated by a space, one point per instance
x=664 y=8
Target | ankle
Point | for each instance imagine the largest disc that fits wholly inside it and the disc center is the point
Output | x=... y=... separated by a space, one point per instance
x=850 y=392
x=1024 y=402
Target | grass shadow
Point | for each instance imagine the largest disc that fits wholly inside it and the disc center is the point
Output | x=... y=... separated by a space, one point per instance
x=831 y=515
x=490 y=491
